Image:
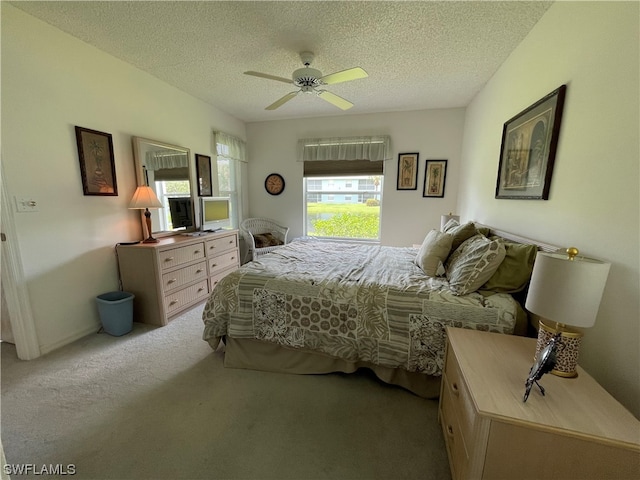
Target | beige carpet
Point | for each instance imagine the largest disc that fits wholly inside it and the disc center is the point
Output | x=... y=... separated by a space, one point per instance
x=158 y=404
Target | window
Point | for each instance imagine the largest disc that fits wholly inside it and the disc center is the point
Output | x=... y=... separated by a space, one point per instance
x=227 y=181
x=346 y=173
x=332 y=214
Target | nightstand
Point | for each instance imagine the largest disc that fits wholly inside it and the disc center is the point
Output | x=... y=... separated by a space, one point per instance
x=576 y=431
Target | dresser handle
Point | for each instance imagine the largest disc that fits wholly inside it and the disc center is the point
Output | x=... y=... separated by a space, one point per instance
x=196 y=252
x=450 y=430
x=173 y=280
x=200 y=289
x=212 y=247
x=230 y=242
x=214 y=265
x=199 y=270
x=168 y=259
x=173 y=302
x=233 y=258
x=455 y=389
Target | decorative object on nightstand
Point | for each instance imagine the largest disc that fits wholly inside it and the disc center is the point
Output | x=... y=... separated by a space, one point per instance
x=565 y=292
x=445 y=218
x=145 y=198
x=545 y=361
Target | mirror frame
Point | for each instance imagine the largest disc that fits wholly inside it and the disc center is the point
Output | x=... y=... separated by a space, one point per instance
x=138 y=158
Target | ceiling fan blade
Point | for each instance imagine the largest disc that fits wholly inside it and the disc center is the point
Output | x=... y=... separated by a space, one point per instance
x=270 y=77
x=344 y=76
x=282 y=101
x=335 y=100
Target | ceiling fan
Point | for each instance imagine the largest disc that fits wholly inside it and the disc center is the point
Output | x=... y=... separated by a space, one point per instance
x=309 y=79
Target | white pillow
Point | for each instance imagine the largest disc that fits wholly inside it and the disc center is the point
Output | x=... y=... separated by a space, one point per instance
x=433 y=252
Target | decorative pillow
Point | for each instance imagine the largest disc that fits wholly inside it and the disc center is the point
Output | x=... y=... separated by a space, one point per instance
x=473 y=263
x=433 y=252
x=266 y=240
x=514 y=272
x=460 y=232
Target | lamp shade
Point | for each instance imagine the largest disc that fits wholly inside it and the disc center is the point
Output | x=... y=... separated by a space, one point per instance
x=567 y=290
x=445 y=218
x=144 y=197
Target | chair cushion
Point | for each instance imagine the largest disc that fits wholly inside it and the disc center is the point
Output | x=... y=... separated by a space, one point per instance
x=266 y=240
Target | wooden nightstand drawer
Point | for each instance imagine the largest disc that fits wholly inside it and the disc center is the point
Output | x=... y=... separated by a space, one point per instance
x=183 y=276
x=454 y=441
x=184 y=297
x=460 y=398
x=177 y=256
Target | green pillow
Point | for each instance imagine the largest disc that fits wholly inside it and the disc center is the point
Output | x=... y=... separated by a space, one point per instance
x=459 y=232
x=514 y=272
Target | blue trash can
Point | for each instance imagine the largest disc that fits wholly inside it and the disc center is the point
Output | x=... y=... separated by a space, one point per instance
x=116 y=312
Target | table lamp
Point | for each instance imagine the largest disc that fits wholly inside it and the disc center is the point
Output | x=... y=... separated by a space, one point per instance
x=565 y=291
x=145 y=198
x=444 y=219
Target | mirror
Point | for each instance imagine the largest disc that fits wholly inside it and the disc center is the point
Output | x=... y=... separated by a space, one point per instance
x=166 y=169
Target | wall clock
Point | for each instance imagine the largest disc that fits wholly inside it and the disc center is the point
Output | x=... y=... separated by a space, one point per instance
x=274 y=184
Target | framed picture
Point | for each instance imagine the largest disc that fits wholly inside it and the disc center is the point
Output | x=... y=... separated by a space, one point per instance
x=528 y=151
x=435 y=173
x=203 y=171
x=97 y=166
x=407 y=171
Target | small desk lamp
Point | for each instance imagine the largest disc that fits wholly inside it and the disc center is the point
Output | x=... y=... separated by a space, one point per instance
x=565 y=290
x=444 y=219
x=144 y=197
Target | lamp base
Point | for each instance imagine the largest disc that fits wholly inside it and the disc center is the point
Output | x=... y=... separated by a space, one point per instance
x=567 y=359
x=150 y=240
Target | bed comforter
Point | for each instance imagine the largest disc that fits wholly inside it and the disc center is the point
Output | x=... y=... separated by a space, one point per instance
x=351 y=301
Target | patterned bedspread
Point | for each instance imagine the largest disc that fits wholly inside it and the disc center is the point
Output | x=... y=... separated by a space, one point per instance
x=353 y=301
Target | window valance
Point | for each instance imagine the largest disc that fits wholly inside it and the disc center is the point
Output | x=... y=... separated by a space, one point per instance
x=229 y=146
x=372 y=148
x=159 y=160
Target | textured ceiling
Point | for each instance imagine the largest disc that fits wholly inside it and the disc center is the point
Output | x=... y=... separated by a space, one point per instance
x=419 y=55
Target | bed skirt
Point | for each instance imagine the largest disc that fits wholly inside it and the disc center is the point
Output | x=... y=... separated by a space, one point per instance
x=270 y=357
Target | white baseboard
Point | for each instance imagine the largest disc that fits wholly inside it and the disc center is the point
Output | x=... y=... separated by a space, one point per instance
x=70 y=338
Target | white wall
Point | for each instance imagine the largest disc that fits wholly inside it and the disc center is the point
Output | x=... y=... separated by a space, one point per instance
x=406 y=215
x=594 y=199
x=50 y=83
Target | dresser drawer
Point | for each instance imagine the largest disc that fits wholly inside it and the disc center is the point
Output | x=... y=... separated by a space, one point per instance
x=460 y=398
x=183 y=276
x=222 y=262
x=456 y=448
x=178 y=256
x=222 y=244
x=214 y=279
x=179 y=299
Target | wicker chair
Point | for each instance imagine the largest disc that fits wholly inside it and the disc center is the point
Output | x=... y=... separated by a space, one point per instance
x=256 y=226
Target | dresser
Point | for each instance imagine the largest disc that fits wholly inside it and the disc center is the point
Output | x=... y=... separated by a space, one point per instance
x=576 y=431
x=176 y=273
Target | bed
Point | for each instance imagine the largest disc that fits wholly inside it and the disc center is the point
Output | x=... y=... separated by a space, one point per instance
x=314 y=307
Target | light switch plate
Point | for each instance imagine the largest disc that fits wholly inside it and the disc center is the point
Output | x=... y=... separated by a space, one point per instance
x=26 y=204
